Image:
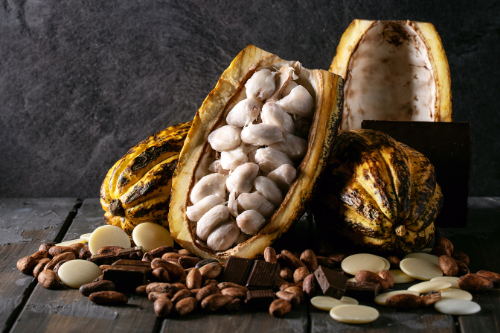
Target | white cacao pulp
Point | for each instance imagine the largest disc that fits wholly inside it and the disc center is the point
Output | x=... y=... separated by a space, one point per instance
x=225 y=138
x=261 y=85
x=195 y=212
x=213 y=184
x=250 y=221
x=244 y=112
x=261 y=134
x=211 y=220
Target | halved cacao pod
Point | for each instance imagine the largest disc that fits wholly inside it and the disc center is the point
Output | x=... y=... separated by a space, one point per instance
x=378 y=193
x=393 y=70
x=137 y=188
x=326 y=89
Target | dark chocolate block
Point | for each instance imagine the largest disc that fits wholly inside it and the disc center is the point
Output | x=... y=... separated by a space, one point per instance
x=259 y=299
x=362 y=291
x=133 y=253
x=448 y=146
x=126 y=274
x=332 y=284
x=236 y=270
x=262 y=275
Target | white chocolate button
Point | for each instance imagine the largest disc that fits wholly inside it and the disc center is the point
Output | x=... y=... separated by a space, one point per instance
x=387 y=264
x=86 y=236
x=71 y=242
x=451 y=279
x=457 y=307
x=354 y=314
x=362 y=262
x=108 y=235
x=426 y=250
x=456 y=294
x=424 y=287
x=151 y=235
x=420 y=269
x=400 y=277
x=382 y=298
x=424 y=256
x=327 y=303
x=353 y=279
x=76 y=273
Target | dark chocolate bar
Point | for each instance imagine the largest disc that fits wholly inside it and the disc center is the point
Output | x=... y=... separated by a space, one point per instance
x=362 y=291
x=236 y=270
x=262 y=275
x=259 y=299
x=332 y=284
x=126 y=274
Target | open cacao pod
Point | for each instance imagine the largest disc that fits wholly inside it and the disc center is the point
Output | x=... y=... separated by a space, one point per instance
x=377 y=193
x=393 y=70
x=227 y=124
x=137 y=188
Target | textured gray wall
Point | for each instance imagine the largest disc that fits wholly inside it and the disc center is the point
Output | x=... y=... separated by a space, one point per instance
x=83 y=81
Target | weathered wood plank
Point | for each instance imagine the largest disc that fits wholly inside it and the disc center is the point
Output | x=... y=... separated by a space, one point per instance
x=68 y=311
x=24 y=225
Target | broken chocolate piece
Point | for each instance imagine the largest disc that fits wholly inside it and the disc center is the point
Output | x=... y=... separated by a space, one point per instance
x=133 y=253
x=259 y=299
x=126 y=274
x=332 y=284
x=263 y=275
x=130 y=262
x=362 y=291
x=237 y=270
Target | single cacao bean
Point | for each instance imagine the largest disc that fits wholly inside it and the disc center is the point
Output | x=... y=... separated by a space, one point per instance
x=207 y=291
x=184 y=252
x=309 y=259
x=171 y=255
x=188 y=262
x=394 y=261
x=210 y=282
x=109 y=249
x=163 y=306
x=234 y=292
x=181 y=294
x=286 y=274
x=211 y=270
x=224 y=285
x=270 y=255
x=93 y=287
x=108 y=298
x=296 y=290
x=279 y=308
x=214 y=302
x=40 y=266
x=440 y=251
x=58 y=265
x=474 y=283
x=77 y=246
x=40 y=254
x=403 y=302
x=289 y=297
x=430 y=297
x=448 y=265
x=84 y=253
x=300 y=274
x=445 y=242
x=309 y=285
x=370 y=277
x=185 y=306
x=162 y=287
x=48 y=279
x=493 y=277
x=204 y=262
x=234 y=305
x=193 y=279
x=155 y=295
x=46 y=246
x=386 y=275
x=161 y=274
x=27 y=264
x=175 y=271
x=160 y=251
x=292 y=261
x=57 y=250
x=463 y=269
x=60 y=257
x=141 y=290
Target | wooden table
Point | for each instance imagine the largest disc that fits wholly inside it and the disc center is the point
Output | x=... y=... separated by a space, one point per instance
x=28 y=307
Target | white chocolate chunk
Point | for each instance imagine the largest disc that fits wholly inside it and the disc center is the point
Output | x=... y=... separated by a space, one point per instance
x=270 y=159
x=354 y=314
x=427 y=286
x=195 y=212
x=298 y=102
x=400 y=277
x=255 y=201
x=85 y=236
x=291 y=145
x=269 y=190
x=420 y=269
x=283 y=177
x=225 y=138
x=75 y=273
x=456 y=294
x=151 y=235
x=382 y=298
x=73 y=241
x=241 y=179
x=216 y=167
x=211 y=220
x=213 y=184
x=250 y=222
x=288 y=89
x=261 y=134
x=232 y=204
x=108 y=235
x=353 y=279
x=424 y=256
x=362 y=262
x=451 y=279
x=261 y=85
x=457 y=307
x=327 y=303
x=387 y=264
x=244 y=112
x=273 y=114
x=223 y=237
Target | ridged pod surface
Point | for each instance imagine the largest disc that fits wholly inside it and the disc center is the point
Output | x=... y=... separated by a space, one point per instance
x=326 y=89
x=378 y=193
x=137 y=188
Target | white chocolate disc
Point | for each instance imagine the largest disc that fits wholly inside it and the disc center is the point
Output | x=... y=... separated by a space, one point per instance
x=108 y=235
x=354 y=314
x=387 y=264
x=151 y=235
x=362 y=262
x=451 y=279
x=382 y=298
x=456 y=294
x=400 y=277
x=424 y=287
x=78 y=272
x=71 y=242
x=424 y=256
x=457 y=307
x=327 y=303
x=86 y=236
x=420 y=269
x=353 y=279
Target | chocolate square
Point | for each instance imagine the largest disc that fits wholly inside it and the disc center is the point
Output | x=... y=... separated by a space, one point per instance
x=262 y=275
x=126 y=274
x=259 y=299
x=237 y=270
x=332 y=283
x=362 y=291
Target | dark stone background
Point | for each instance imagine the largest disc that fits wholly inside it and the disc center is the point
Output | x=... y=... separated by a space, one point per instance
x=83 y=81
